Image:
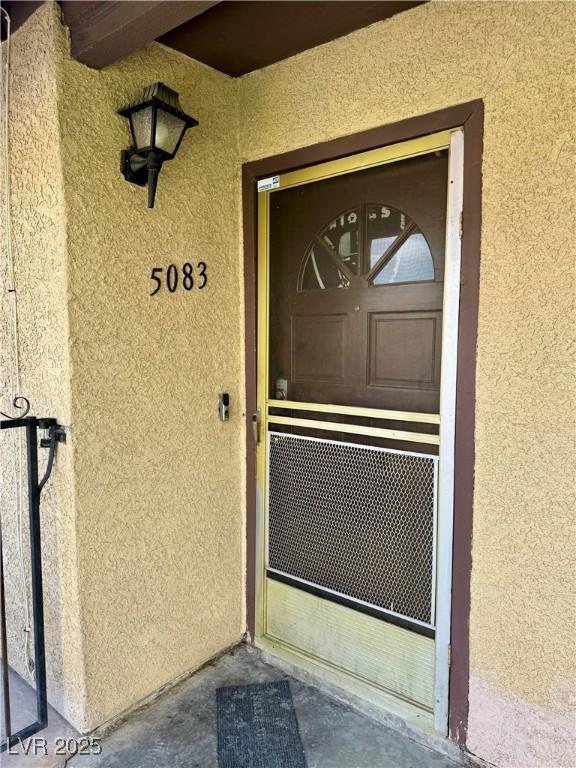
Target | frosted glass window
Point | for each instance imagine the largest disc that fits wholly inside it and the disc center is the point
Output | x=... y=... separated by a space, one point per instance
x=384 y=225
x=169 y=128
x=411 y=263
x=341 y=237
x=320 y=272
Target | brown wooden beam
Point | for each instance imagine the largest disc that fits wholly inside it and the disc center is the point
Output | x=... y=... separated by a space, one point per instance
x=19 y=11
x=102 y=32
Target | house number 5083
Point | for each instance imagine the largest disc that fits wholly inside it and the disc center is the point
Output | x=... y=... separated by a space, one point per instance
x=188 y=277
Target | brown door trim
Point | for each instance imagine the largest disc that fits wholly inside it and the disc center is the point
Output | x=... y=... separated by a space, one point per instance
x=471 y=117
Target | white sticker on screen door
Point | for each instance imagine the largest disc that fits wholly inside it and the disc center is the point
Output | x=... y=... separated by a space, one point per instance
x=271 y=183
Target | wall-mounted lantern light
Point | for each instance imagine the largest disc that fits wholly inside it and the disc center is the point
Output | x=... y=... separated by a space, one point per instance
x=158 y=125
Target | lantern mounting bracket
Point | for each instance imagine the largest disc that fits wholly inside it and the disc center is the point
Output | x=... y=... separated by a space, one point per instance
x=134 y=167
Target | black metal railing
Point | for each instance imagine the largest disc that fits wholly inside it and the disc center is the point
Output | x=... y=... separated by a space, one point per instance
x=31 y=425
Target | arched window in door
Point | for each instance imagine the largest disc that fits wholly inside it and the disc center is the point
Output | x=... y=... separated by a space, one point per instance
x=377 y=243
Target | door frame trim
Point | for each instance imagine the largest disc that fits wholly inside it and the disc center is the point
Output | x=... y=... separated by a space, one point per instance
x=470 y=117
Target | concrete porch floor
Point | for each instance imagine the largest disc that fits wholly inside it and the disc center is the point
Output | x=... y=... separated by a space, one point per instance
x=23 y=713
x=178 y=730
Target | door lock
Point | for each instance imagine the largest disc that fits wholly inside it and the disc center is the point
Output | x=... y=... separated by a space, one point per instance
x=281 y=389
x=224 y=406
x=256 y=426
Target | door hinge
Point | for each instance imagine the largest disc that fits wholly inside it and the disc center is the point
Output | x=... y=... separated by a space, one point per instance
x=461 y=224
x=449 y=656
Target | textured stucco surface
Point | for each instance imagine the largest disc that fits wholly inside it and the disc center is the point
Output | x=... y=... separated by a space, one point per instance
x=519 y=58
x=159 y=479
x=39 y=243
x=155 y=541
x=147 y=530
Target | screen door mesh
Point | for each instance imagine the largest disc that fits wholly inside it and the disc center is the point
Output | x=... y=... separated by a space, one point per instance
x=354 y=520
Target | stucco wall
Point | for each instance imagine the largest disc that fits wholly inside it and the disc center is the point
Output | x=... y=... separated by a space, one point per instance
x=39 y=244
x=518 y=57
x=155 y=535
x=159 y=479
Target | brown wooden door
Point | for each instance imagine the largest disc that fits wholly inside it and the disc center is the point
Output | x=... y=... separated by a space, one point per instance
x=356 y=284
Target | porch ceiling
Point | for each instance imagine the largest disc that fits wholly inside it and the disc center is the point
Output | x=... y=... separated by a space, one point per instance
x=239 y=37
x=230 y=36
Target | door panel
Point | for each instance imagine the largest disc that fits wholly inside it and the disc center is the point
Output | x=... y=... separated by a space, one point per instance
x=346 y=248
x=318 y=348
x=403 y=349
x=385 y=656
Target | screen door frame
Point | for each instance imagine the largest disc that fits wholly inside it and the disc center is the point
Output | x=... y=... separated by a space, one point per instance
x=468 y=118
x=454 y=142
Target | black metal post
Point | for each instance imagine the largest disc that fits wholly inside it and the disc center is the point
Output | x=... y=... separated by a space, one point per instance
x=36 y=570
x=5 y=668
x=31 y=425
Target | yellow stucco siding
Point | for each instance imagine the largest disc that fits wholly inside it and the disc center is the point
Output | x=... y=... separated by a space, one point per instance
x=517 y=57
x=39 y=246
x=145 y=550
x=153 y=537
x=159 y=479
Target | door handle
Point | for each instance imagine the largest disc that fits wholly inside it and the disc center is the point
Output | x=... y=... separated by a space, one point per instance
x=256 y=426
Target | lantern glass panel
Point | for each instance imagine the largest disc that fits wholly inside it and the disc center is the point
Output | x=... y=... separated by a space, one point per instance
x=142 y=127
x=169 y=128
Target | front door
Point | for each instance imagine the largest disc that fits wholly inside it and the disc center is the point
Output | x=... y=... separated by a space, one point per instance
x=352 y=262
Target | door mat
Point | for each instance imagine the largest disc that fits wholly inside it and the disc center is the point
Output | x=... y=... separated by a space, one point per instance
x=257 y=727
